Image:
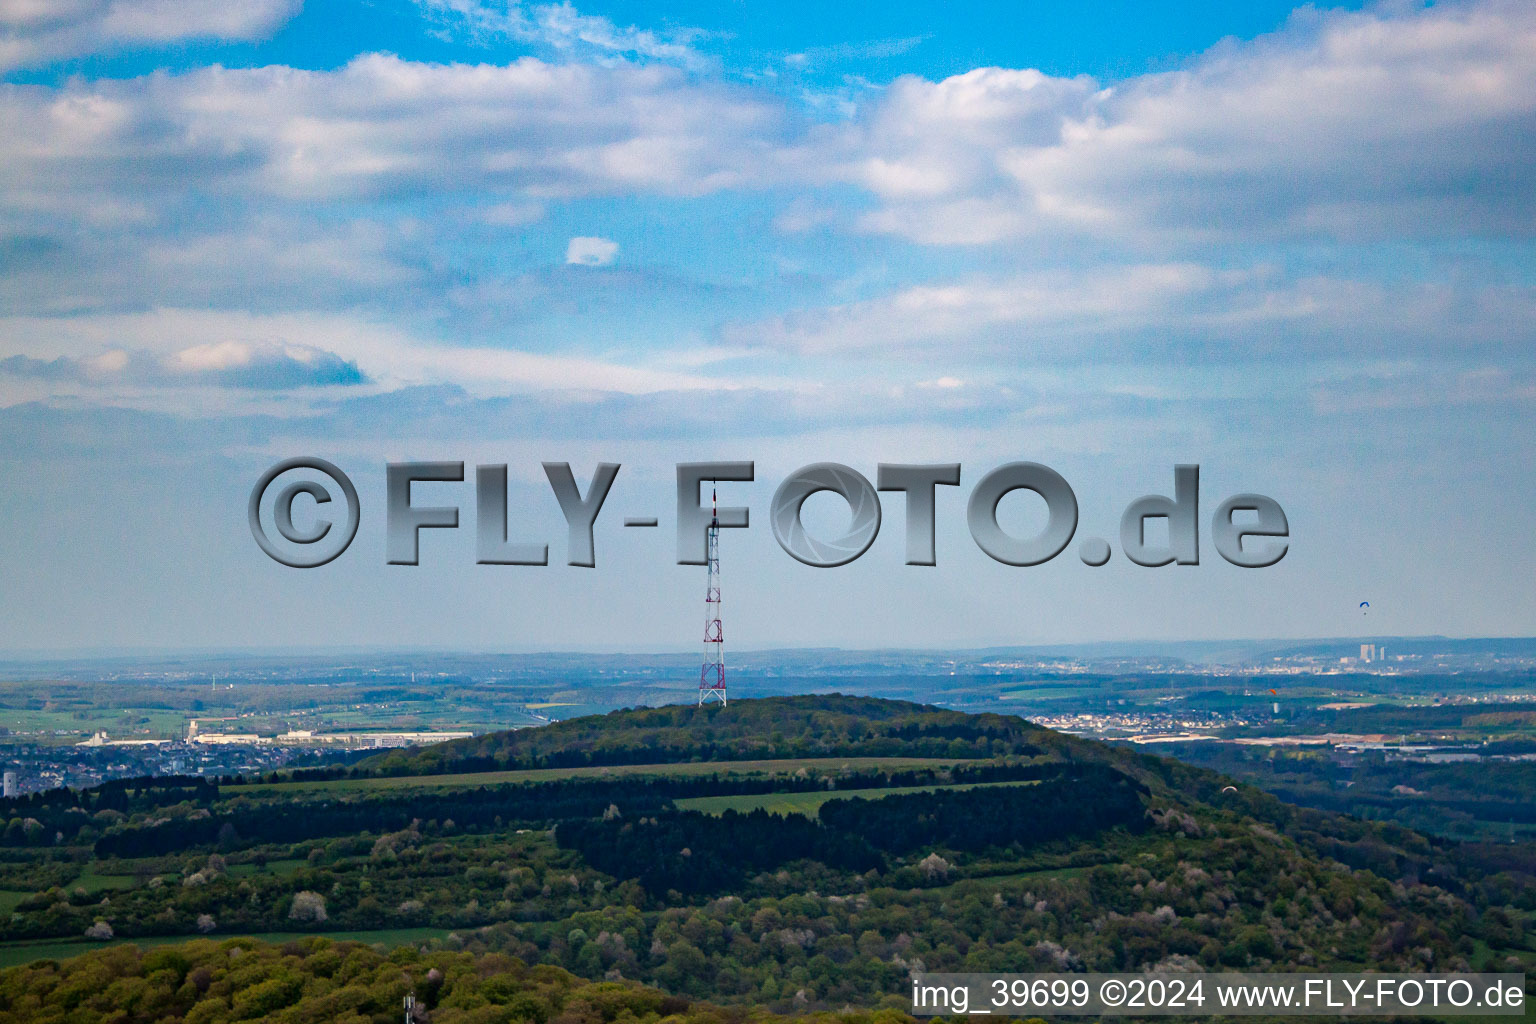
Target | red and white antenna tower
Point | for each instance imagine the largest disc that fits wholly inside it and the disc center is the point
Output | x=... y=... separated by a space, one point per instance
x=712 y=675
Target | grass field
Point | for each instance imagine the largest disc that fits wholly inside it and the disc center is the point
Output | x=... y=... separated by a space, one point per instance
x=93 y=883
x=121 y=723
x=14 y=953
x=473 y=779
x=1046 y=692
x=809 y=803
x=280 y=868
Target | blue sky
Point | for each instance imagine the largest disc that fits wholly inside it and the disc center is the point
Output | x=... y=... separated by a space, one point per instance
x=1292 y=246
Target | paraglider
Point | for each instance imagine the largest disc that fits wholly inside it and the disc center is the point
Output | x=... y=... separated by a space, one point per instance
x=1365 y=607
x=1229 y=789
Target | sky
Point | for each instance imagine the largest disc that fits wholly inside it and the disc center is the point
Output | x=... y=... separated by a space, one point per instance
x=1293 y=246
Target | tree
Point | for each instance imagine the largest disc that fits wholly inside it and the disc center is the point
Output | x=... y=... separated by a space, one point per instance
x=307 y=906
x=933 y=867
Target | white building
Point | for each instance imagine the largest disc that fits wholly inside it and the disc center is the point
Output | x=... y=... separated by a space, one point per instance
x=310 y=738
x=101 y=739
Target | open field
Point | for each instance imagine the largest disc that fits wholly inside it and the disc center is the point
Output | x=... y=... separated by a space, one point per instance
x=93 y=883
x=470 y=780
x=278 y=868
x=809 y=803
x=69 y=726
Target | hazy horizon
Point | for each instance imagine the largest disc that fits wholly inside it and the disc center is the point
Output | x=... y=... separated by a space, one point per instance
x=1127 y=648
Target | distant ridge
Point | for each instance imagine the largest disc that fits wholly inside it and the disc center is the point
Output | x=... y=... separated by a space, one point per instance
x=764 y=728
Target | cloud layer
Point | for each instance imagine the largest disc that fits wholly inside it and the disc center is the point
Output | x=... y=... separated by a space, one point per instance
x=1343 y=125
x=379 y=128
x=38 y=31
x=1077 y=220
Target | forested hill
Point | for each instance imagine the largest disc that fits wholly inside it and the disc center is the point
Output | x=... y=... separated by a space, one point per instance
x=831 y=725
x=790 y=853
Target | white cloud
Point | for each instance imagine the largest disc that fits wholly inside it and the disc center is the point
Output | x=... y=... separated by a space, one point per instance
x=591 y=252
x=198 y=341
x=228 y=364
x=1391 y=122
x=37 y=31
x=934 y=316
x=378 y=128
x=560 y=27
x=200 y=189
x=1153 y=311
x=869 y=49
x=1345 y=125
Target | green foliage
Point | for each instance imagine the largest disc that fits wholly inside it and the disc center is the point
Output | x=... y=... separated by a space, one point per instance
x=1083 y=870
x=691 y=852
x=1475 y=800
x=773 y=727
x=319 y=982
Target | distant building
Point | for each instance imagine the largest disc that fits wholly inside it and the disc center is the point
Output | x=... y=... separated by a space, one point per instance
x=306 y=737
x=9 y=786
x=101 y=739
x=225 y=738
x=309 y=738
x=1367 y=653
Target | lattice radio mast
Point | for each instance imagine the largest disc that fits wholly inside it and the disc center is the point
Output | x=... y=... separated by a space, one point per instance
x=712 y=675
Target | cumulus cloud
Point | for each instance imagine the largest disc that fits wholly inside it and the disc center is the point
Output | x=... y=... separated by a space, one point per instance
x=1384 y=123
x=591 y=252
x=1390 y=122
x=382 y=127
x=37 y=31
x=201 y=188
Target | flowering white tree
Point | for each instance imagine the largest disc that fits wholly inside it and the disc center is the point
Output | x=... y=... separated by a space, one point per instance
x=307 y=906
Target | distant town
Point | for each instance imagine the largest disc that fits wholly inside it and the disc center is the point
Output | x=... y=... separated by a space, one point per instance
x=81 y=722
